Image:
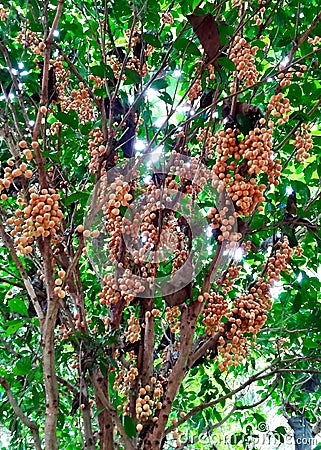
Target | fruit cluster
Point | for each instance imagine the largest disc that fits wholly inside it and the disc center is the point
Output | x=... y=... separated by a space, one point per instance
x=279 y=105
x=246 y=194
x=4 y=13
x=109 y=293
x=250 y=309
x=98 y=82
x=178 y=434
x=226 y=148
x=167 y=18
x=280 y=261
x=195 y=90
x=26 y=150
x=61 y=293
x=64 y=333
x=41 y=217
x=259 y=16
x=303 y=142
x=81 y=102
x=132 y=35
x=314 y=41
x=192 y=174
x=95 y=148
x=227 y=281
x=287 y=74
x=55 y=127
x=148 y=402
x=75 y=364
x=127 y=374
x=181 y=252
x=242 y=56
x=62 y=74
x=257 y=150
x=142 y=230
x=78 y=100
x=127 y=286
x=30 y=39
x=115 y=66
x=173 y=315
x=208 y=140
x=299 y=250
x=216 y=308
x=11 y=174
x=211 y=75
x=223 y=222
x=118 y=195
x=132 y=334
x=66 y=329
x=149 y=50
x=238 y=164
x=216 y=304
x=135 y=63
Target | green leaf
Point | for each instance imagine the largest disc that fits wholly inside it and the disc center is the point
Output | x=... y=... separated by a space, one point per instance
x=161 y=83
x=129 y=427
x=217 y=415
x=258 y=43
x=297 y=302
x=310 y=343
x=302 y=189
x=187 y=46
x=98 y=71
x=152 y=40
x=17 y=305
x=132 y=76
x=225 y=33
x=223 y=385
x=23 y=366
x=76 y=196
x=227 y=63
x=12 y=326
x=68 y=118
x=166 y=98
x=295 y=94
x=102 y=71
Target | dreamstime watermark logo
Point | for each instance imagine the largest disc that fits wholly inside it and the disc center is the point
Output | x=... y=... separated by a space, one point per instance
x=263 y=437
x=252 y=437
x=153 y=214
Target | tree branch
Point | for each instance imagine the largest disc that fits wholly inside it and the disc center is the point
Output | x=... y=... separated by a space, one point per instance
x=207 y=345
x=10 y=349
x=112 y=412
x=18 y=412
x=259 y=376
x=49 y=369
x=44 y=96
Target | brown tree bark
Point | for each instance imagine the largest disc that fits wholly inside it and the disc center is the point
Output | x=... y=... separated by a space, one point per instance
x=106 y=433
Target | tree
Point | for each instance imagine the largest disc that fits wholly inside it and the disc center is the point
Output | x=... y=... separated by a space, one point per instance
x=160 y=197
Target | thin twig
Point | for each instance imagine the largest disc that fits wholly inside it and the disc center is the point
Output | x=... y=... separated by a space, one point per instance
x=18 y=412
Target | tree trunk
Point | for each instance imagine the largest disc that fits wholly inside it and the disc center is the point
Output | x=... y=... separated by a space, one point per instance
x=106 y=434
